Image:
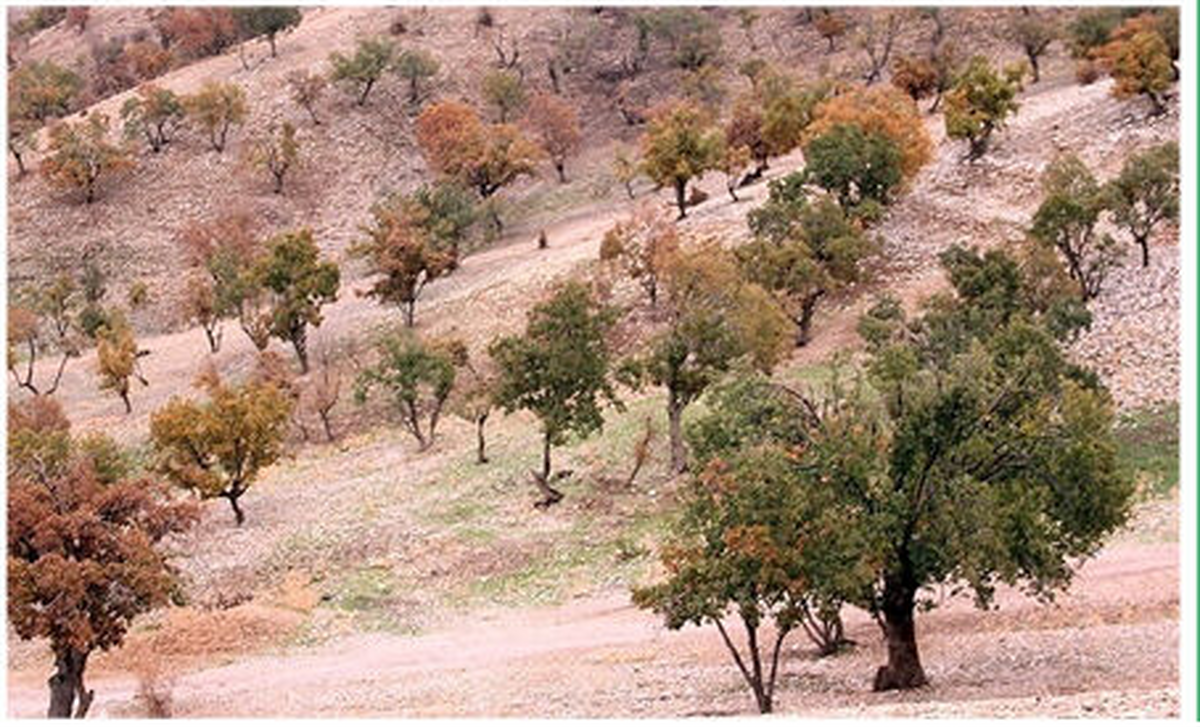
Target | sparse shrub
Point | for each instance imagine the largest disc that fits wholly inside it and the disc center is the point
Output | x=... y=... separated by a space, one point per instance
x=79 y=155
x=360 y=72
x=626 y=169
x=556 y=126
x=417 y=67
x=1087 y=71
x=473 y=397
x=278 y=152
x=154 y=114
x=217 y=107
x=418 y=376
x=692 y=36
x=307 y=89
x=218 y=448
x=641 y=246
x=559 y=371
x=679 y=145
x=82 y=594
x=876 y=36
x=1146 y=194
x=1091 y=29
x=916 y=76
x=147 y=60
x=980 y=103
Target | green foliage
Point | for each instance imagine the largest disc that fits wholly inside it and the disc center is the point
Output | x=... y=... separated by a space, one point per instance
x=360 y=72
x=41 y=90
x=267 y=21
x=218 y=448
x=1148 y=448
x=692 y=36
x=154 y=113
x=505 y=90
x=745 y=411
x=980 y=103
x=558 y=370
x=680 y=144
x=299 y=284
x=1146 y=194
x=277 y=151
x=854 y=165
x=419 y=376
x=1091 y=29
x=416 y=66
x=1067 y=219
x=217 y=107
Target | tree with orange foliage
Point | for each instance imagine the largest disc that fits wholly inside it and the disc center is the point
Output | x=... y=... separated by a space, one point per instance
x=80 y=593
x=79 y=155
x=556 y=125
x=680 y=144
x=217 y=107
x=1139 y=60
x=197 y=32
x=218 y=448
x=641 y=246
x=117 y=357
x=458 y=145
x=881 y=110
x=916 y=76
x=147 y=60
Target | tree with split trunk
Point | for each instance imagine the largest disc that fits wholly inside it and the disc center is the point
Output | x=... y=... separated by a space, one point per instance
x=982 y=456
x=218 y=448
x=42 y=321
x=217 y=108
x=81 y=594
x=1146 y=194
x=680 y=145
x=713 y=319
x=154 y=114
x=877 y=35
x=277 y=151
x=220 y=284
x=558 y=370
x=298 y=284
x=419 y=377
x=803 y=252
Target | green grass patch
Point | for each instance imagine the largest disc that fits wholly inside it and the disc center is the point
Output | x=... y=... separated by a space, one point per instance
x=1148 y=447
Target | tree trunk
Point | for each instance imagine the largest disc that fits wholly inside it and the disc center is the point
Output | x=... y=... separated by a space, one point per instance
x=125 y=399
x=362 y=99
x=271 y=42
x=1033 y=62
x=20 y=162
x=481 y=448
x=410 y=313
x=66 y=686
x=804 y=323
x=681 y=197
x=675 y=426
x=1144 y=242
x=903 y=669
x=300 y=343
x=214 y=338
x=239 y=517
x=542 y=479
x=561 y=167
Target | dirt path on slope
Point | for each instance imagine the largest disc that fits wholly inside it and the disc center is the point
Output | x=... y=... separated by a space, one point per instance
x=1115 y=634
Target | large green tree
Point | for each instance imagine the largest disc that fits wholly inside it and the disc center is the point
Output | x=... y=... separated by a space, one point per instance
x=559 y=370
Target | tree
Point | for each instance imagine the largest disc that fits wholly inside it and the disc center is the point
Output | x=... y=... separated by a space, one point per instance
x=473 y=397
x=217 y=107
x=814 y=252
x=713 y=318
x=693 y=37
x=505 y=91
x=418 y=375
x=788 y=111
x=556 y=126
x=81 y=593
x=457 y=145
x=278 y=151
x=79 y=155
x=299 y=283
x=744 y=130
x=1146 y=193
x=146 y=59
x=220 y=249
x=641 y=246
x=218 y=448
x=197 y=32
x=1034 y=35
x=404 y=253
x=877 y=36
x=307 y=89
x=882 y=110
x=734 y=162
x=416 y=66
x=854 y=165
x=117 y=356
x=559 y=371
x=626 y=169
x=360 y=72
x=154 y=113
x=830 y=26
x=1139 y=60
x=980 y=103
x=1091 y=29
x=447 y=211
x=267 y=21
x=990 y=459
x=679 y=145
x=1067 y=219
x=42 y=90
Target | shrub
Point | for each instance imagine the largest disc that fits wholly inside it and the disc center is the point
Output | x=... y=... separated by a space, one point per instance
x=1146 y=194
x=79 y=155
x=830 y=25
x=505 y=91
x=41 y=90
x=916 y=76
x=693 y=37
x=417 y=67
x=197 y=32
x=641 y=246
x=147 y=60
x=117 y=356
x=217 y=107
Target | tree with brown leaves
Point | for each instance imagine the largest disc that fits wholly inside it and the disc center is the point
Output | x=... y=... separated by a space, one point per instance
x=79 y=155
x=555 y=124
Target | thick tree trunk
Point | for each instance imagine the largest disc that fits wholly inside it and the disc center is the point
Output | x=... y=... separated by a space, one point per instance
x=675 y=426
x=542 y=479
x=410 y=313
x=903 y=669
x=481 y=448
x=681 y=197
x=271 y=42
x=125 y=399
x=300 y=343
x=1037 y=71
x=326 y=424
x=804 y=322
x=1144 y=243
x=68 y=697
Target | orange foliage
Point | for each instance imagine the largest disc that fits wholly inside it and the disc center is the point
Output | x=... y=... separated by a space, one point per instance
x=881 y=110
